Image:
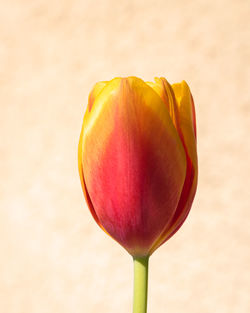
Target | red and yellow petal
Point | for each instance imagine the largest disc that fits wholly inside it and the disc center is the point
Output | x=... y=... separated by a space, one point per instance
x=96 y=90
x=134 y=163
x=185 y=124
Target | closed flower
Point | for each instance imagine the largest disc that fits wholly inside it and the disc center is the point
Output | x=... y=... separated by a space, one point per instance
x=138 y=160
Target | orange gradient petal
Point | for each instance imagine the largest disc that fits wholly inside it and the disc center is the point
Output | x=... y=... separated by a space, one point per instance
x=134 y=163
x=186 y=125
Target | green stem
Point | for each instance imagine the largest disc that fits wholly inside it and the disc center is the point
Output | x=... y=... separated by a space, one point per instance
x=140 y=284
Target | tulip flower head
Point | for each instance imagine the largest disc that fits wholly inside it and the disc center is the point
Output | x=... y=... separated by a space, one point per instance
x=138 y=160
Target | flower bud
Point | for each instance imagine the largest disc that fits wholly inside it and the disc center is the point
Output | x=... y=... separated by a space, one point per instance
x=138 y=161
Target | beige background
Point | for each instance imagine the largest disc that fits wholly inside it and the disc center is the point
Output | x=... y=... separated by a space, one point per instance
x=53 y=257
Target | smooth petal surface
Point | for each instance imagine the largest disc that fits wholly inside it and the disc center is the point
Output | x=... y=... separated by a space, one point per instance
x=91 y=113
x=94 y=93
x=187 y=123
x=133 y=163
x=164 y=90
x=92 y=97
x=183 y=115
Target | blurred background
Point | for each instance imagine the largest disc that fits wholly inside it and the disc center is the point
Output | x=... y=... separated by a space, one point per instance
x=53 y=256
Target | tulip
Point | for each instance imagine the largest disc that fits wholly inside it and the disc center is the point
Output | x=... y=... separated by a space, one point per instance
x=138 y=165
